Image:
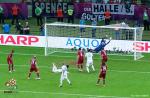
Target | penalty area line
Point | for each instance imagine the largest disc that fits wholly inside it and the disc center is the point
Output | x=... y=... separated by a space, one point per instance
x=52 y=55
x=62 y=56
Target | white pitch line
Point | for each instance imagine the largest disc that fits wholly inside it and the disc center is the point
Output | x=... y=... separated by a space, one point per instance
x=60 y=56
x=21 y=54
x=140 y=96
x=83 y=95
x=121 y=71
x=71 y=94
x=74 y=57
x=142 y=72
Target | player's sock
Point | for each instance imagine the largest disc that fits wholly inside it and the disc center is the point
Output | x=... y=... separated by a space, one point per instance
x=98 y=81
x=87 y=68
x=68 y=81
x=12 y=67
x=9 y=68
x=93 y=68
x=81 y=67
x=78 y=66
x=60 y=83
x=54 y=68
x=38 y=75
x=29 y=75
x=104 y=82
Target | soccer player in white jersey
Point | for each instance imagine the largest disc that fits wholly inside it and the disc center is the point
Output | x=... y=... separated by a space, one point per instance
x=64 y=73
x=89 y=62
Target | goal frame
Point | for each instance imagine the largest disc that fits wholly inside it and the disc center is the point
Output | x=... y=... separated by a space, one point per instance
x=135 y=53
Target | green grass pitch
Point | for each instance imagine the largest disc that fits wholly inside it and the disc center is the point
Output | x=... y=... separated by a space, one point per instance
x=126 y=78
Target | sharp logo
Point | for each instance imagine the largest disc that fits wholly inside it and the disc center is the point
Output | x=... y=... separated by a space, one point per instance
x=141 y=46
x=18 y=40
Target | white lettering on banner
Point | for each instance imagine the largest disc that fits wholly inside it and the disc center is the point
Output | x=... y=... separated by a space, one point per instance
x=21 y=40
x=87 y=16
x=87 y=9
x=51 y=7
x=113 y=8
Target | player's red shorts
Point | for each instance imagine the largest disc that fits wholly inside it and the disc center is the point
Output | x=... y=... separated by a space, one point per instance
x=33 y=69
x=9 y=61
x=80 y=61
x=104 y=60
x=102 y=75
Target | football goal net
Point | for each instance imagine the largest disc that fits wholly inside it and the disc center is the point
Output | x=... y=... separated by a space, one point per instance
x=64 y=37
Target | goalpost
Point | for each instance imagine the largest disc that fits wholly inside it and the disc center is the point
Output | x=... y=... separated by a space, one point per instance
x=64 y=37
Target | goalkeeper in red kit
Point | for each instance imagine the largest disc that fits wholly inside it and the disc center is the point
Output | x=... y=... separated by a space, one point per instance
x=33 y=67
x=10 y=61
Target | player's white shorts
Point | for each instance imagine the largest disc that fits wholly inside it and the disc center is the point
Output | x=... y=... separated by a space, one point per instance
x=89 y=63
x=64 y=76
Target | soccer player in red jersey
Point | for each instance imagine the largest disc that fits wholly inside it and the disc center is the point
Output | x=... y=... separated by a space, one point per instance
x=34 y=68
x=104 y=56
x=80 y=59
x=102 y=73
x=10 y=61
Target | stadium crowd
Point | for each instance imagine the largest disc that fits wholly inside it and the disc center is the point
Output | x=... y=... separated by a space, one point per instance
x=21 y=25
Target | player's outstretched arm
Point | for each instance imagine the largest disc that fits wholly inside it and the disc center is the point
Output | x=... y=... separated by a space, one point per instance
x=109 y=41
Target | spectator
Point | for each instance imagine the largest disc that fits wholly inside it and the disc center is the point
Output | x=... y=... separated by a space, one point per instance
x=26 y=29
x=94 y=23
x=106 y=1
x=38 y=13
x=107 y=16
x=127 y=32
x=15 y=13
x=117 y=1
x=70 y=13
x=60 y=14
x=134 y=1
x=117 y=31
x=146 y=20
x=42 y=31
x=19 y=28
x=6 y=28
x=82 y=22
x=137 y=24
x=1 y=15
